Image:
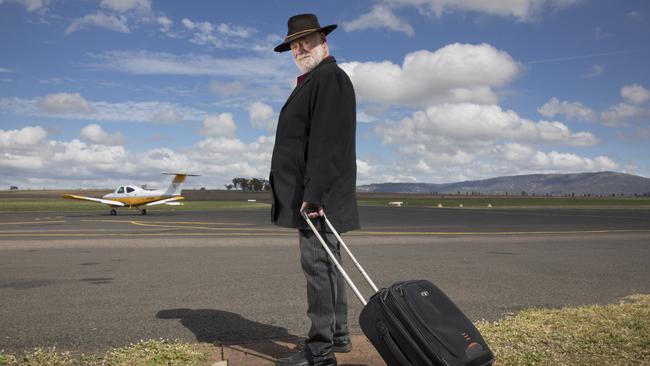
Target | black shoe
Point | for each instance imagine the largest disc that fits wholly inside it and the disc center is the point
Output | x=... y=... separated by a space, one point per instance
x=343 y=345
x=303 y=358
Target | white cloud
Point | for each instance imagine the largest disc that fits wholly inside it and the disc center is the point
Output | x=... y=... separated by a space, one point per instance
x=25 y=137
x=126 y=5
x=622 y=112
x=635 y=94
x=381 y=16
x=636 y=15
x=230 y=157
x=452 y=142
x=454 y=73
x=75 y=163
x=364 y=117
x=219 y=35
x=165 y=24
x=74 y=106
x=522 y=10
x=572 y=110
x=262 y=116
x=170 y=115
x=89 y=157
x=60 y=103
x=101 y=20
x=600 y=34
x=222 y=125
x=30 y=5
x=527 y=157
x=188 y=23
x=450 y=127
x=161 y=63
x=235 y=30
x=364 y=168
x=4 y=71
x=227 y=89
x=95 y=134
x=596 y=70
x=17 y=162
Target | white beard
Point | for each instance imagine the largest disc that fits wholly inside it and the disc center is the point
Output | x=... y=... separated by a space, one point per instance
x=310 y=60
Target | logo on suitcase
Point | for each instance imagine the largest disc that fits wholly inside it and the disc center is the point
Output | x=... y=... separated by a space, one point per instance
x=424 y=293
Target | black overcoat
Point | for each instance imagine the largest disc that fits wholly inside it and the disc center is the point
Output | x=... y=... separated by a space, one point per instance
x=314 y=157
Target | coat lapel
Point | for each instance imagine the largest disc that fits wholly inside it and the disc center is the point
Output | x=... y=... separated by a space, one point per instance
x=296 y=90
x=306 y=81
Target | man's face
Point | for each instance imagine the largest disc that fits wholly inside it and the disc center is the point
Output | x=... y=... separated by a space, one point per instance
x=308 y=51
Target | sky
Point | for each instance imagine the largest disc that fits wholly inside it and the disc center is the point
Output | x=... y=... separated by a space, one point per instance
x=99 y=93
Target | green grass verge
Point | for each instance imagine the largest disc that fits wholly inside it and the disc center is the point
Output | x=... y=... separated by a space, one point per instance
x=498 y=202
x=143 y=353
x=617 y=334
x=60 y=204
x=56 y=204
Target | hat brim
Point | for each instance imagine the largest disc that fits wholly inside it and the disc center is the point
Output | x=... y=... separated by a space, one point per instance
x=284 y=46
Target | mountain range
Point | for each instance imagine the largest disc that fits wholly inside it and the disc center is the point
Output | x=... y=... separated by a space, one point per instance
x=597 y=183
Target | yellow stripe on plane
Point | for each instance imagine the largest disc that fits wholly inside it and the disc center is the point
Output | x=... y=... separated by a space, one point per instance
x=139 y=201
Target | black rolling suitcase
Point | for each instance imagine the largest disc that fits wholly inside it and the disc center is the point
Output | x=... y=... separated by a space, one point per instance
x=413 y=323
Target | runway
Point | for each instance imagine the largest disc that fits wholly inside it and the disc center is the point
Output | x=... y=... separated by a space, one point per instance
x=88 y=281
x=376 y=221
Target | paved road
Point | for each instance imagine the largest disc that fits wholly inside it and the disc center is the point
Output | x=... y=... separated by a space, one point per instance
x=375 y=221
x=93 y=291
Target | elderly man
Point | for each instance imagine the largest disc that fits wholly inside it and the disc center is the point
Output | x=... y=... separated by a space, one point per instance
x=314 y=168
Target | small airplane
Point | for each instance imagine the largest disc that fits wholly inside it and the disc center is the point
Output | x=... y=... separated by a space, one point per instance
x=133 y=197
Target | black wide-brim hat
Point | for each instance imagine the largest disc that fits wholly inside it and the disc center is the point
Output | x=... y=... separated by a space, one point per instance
x=299 y=26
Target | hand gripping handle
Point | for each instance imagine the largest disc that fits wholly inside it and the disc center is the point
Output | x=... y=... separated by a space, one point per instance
x=333 y=258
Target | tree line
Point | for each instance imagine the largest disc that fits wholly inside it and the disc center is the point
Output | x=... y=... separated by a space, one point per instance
x=246 y=184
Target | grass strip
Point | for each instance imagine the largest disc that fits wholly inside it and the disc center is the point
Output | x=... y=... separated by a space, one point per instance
x=143 y=353
x=61 y=205
x=500 y=202
x=616 y=334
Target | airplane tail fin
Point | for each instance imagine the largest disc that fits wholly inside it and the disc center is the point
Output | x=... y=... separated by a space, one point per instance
x=176 y=186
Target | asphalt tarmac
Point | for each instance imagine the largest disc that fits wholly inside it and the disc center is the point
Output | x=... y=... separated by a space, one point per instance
x=375 y=220
x=88 y=281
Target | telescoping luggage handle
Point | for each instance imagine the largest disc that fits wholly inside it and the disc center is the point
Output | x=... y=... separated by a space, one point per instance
x=333 y=258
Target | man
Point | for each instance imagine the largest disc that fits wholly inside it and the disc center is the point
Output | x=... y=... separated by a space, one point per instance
x=314 y=168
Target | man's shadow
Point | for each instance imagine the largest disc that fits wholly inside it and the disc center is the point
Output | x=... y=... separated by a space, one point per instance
x=226 y=328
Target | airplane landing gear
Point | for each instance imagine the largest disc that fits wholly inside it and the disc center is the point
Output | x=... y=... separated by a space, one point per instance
x=143 y=211
x=113 y=212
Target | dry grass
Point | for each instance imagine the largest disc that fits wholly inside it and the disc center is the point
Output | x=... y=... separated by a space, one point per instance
x=617 y=334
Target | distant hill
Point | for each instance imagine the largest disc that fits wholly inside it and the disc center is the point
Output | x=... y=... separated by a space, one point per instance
x=599 y=183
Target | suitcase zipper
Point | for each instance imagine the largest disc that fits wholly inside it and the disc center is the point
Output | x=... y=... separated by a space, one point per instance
x=417 y=316
x=411 y=325
x=425 y=326
x=396 y=322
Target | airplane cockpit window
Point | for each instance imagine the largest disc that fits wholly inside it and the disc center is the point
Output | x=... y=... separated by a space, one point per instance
x=120 y=190
x=129 y=189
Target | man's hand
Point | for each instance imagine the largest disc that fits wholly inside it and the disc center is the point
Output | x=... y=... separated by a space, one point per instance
x=312 y=207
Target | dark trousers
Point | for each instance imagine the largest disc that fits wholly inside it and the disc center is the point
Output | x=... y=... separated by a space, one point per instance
x=326 y=292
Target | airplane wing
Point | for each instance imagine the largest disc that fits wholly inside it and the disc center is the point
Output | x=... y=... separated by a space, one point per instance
x=170 y=201
x=100 y=200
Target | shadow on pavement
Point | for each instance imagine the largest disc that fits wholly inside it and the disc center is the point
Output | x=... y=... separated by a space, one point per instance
x=226 y=328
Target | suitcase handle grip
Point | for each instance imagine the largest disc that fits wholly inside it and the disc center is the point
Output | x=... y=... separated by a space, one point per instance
x=354 y=288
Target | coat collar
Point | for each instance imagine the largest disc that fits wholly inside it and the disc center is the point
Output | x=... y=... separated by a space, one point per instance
x=305 y=81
